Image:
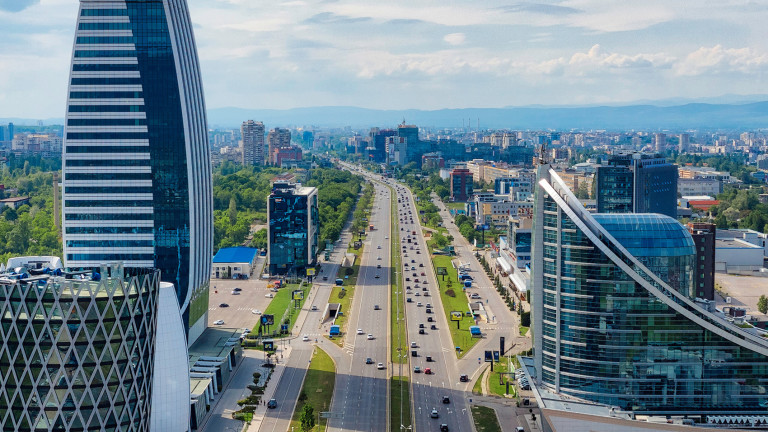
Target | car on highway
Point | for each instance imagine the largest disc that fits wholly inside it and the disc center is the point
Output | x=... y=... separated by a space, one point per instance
x=428 y=371
x=418 y=304
x=359 y=331
x=430 y=319
x=443 y=427
x=429 y=358
x=429 y=305
x=434 y=413
x=237 y=289
x=426 y=293
x=417 y=294
x=433 y=327
x=519 y=429
x=380 y=366
x=421 y=332
x=429 y=311
x=218 y=322
x=413 y=344
x=255 y=311
x=314 y=308
x=272 y=404
x=269 y=295
x=370 y=336
x=223 y=305
x=421 y=325
x=464 y=378
x=378 y=259
x=377 y=276
x=409 y=300
x=446 y=400
x=376 y=307
x=368 y=360
x=235 y=292
x=378 y=266
x=305 y=338
x=475 y=296
x=421 y=264
x=416 y=369
x=378 y=247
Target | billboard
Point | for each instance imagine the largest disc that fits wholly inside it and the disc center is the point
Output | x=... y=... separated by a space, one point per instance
x=456 y=315
x=442 y=271
x=298 y=294
x=269 y=345
x=488 y=356
x=267 y=320
x=311 y=271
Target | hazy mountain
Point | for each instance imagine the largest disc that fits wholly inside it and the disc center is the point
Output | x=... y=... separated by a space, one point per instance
x=646 y=117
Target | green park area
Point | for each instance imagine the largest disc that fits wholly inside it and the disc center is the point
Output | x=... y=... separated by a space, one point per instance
x=345 y=293
x=283 y=308
x=316 y=393
x=485 y=419
x=454 y=299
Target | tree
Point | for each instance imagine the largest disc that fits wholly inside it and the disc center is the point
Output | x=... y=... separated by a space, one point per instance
x=762 y=304
x=260 y=238
x=307 y=418
x=232 y=210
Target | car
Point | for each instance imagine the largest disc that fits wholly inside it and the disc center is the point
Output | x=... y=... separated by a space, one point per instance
x=314 y=308
x=378 y=258
x=417 y=294
x=380 y=366
x=269 y=295
x=218 y=322
x=421 y=264
x=413 y=344
x=407 y=279
x=370 y=336
x=223 y=305
x=416 y=279
x=414 y=274
x=409 y=300
x=433 y=327
x=377 y=276
x=418 y=253
x=414 y=353
x=446 y=400
x=475 y=296
x=429 y=311
x=430 y=319
x=359 y=331
x=272 y=404
x=305 y=338
x=378 y=266
x=235 y=292
x=378 y=247
x=237 y=289
x=426 y=293
x=416 y=369
x=413 y=261
x=464 y=378
x=428 y=371
x=519 y=429
x=376 y=307
x=255 y=311
x=443 y=427
x=421 y=325
x=434 y=413
x=368 y=360
x=413 y=268
x=246 y=331
x=418 y=304
x=386 y=237
x=421 y=332
x=429 y=305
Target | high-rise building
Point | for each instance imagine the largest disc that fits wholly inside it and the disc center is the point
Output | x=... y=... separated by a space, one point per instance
x=2 y=133
x=616 y=320
x=704 y=235
x=683 y=143
x=136 y=160
x=253 y=143
x=293 y=232
x=80 y=350
x=377 y=144
x=278 y=138
x=637 y=183
x=10 y=132
x=462 y=186
x=660 y=142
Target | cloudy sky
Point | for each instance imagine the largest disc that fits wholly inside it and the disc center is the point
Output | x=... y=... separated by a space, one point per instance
x=427 y=54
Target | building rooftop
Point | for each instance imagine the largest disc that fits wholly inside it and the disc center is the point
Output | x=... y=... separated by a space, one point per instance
x=647 y=235
x=726 y=243
x=215 y=342
x=235 y=255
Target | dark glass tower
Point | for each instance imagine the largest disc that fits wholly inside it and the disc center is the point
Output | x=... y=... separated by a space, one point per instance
x=637 y=183
x=137 y=175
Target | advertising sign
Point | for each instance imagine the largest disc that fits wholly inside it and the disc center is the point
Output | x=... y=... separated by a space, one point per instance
x=488 y=356
x=267 y=320
x=298 y=294
x=269 y=345
x=456 y=315
x=311 y=271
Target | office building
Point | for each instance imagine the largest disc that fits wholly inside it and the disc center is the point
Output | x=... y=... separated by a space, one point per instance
x=136 y=160
x=659 y=142
x=704 y=235
x=637 y=183
x=462 y=186
x=616 y=321
x=253 y=143
x=699 y=186
x=276 y=139
x=87 y=350
x=2 y=133
x=283 y=155
x=684 y=142
x=397 y=150
x=10 y=132
x=293 y=232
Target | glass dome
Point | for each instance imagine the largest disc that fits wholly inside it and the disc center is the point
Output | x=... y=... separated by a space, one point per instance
x=648 y=235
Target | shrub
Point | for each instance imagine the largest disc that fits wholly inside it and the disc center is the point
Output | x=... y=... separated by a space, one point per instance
x=525 y=319
x=450 y=293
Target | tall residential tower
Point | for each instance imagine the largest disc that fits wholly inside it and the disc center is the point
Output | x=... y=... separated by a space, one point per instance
x=253 y=143
x=136 y=161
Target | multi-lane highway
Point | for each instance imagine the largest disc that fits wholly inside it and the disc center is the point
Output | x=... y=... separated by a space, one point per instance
x=361 y=390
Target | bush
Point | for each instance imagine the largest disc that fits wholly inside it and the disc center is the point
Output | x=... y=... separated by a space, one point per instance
x=256 y=376
x=302 y=396
x=349 y=271
x=525 y=319
x=450 y=293
x=342 y=293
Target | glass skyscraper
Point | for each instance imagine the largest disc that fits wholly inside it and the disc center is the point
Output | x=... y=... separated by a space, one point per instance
x=136 y=161
x=637 y=183
x=617 y=321
x=293 y=228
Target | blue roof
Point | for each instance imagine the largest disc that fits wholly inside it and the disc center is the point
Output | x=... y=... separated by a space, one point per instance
x=648 y=235
x=235 y=255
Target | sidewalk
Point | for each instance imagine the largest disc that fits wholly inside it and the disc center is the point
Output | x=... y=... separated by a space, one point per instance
x=261 y=411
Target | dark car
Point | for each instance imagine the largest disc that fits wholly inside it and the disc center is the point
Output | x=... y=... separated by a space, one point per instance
x=223 y=305
x=430 y=319
x=272 y=404
x=433 y=327
x=443 y=427
x=429 y=311
x=421 y=326
x=446 y=400
x=429 y=358
x=464 y=378
x=421 y=332
x=237 y=289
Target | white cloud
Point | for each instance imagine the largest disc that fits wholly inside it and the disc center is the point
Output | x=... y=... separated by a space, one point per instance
x=719 y=60
x=455 y=38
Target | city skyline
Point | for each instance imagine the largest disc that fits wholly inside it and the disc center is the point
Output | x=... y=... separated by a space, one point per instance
x=428 y=56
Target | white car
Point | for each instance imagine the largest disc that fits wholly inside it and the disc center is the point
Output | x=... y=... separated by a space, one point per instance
x=314 y=308
x=359 y=331
x=256 y=312
x=370 y=336
x=305 y=338
x=218 y=322
x=269 y=295
x=380 y=365
x=379 y=258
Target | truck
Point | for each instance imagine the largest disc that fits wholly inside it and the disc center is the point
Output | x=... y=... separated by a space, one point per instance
x=335 y=330
x=468 y=283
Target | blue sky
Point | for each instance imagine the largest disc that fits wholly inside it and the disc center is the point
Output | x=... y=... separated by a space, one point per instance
x=426 y=54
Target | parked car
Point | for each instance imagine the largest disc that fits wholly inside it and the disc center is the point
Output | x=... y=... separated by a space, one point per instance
x=218 y=322
x=223 y=305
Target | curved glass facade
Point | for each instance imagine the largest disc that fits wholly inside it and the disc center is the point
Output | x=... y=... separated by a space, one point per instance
x=136 y=145
x=77 y=354
x=614 y=320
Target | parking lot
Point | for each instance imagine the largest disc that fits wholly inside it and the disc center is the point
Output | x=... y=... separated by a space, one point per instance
x=239 y=313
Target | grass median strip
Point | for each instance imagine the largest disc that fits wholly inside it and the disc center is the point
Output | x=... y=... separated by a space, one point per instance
x=454 y=299
x=283 y=307
x=317 y=390
x=397 y=298
x=398 y=416
x=485 y=419
x=345 y=293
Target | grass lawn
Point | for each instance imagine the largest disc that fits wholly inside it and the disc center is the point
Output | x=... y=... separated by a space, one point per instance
x=493 y=380
x=457 y=302
x=346 y=299
x=318 y=388
x=397 y=326
x=485 y=419
x=524 y=330
x=397 y=384
x=282 y=303
x=478 y=387
x=454 y=205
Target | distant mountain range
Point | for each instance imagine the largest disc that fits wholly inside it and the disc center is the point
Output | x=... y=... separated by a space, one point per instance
x=656 y=116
